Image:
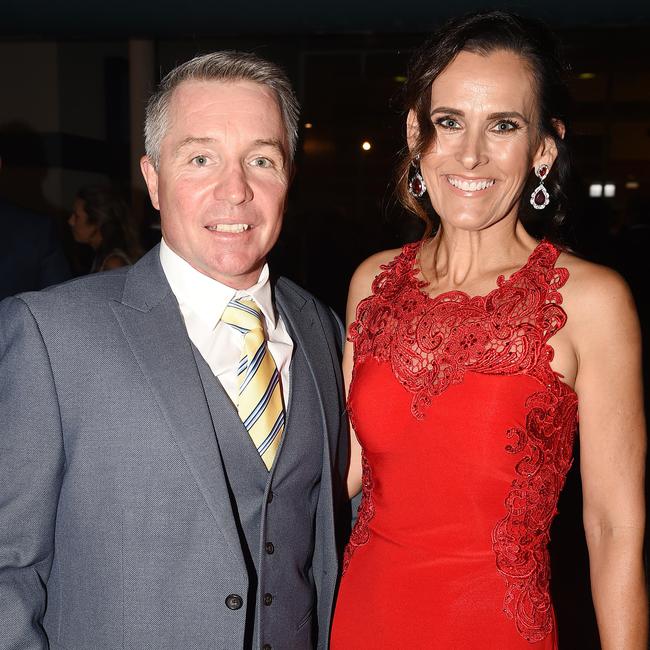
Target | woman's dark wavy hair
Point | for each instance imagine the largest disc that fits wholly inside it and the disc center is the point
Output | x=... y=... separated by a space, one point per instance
x=107 y=209
x=483 y=33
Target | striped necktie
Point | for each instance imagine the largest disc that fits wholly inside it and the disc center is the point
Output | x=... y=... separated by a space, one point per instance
x=260 y=403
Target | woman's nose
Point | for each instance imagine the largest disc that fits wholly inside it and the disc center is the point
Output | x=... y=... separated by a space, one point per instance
x=472 y=151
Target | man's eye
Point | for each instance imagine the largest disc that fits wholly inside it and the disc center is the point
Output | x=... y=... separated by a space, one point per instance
x=262 y=162
x=200 y=161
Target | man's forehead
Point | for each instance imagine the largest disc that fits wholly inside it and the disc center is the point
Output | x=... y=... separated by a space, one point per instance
x=218 y=92
x=213 y=111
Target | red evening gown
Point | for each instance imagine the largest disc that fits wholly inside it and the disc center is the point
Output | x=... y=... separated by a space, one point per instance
x=467 y=436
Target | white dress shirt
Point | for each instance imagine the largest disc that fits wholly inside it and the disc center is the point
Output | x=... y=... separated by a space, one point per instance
x=202 y=301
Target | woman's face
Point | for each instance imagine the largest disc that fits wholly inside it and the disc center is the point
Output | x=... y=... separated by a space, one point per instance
x=484 y=111
x=82 y=231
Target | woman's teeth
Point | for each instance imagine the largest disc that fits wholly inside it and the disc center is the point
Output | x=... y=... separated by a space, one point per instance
x=470 y=186
x=229 y=227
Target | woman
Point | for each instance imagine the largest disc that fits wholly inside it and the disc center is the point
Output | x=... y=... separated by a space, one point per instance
x=100 y=219
x=474 y=352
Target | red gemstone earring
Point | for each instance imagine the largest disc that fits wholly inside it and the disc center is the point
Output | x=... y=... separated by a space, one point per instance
x=539 y=199
x=417 y=186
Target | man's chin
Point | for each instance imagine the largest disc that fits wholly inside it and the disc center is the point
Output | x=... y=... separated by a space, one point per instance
x=236 y=276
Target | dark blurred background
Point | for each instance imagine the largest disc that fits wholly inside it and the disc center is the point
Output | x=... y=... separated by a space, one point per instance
x=75 y=76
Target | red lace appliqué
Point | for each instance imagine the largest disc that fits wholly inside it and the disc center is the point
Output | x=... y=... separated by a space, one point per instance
x=431 y=342
x=366 y=512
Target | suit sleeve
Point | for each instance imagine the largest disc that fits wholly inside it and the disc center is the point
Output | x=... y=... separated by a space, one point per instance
x=31 y=470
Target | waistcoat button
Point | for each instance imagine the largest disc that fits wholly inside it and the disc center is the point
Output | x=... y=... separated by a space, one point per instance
x=234 y=601
x=267 y=646
x=268 y=599
x=270 y=549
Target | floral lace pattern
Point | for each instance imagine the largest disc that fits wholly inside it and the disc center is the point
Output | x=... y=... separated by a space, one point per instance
x=430 y=343
x=366 y=512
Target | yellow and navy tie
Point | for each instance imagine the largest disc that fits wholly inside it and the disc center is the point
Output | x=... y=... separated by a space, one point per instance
x=260 y=403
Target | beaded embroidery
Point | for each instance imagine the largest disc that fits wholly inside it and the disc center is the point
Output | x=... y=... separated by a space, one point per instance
x=430 y=343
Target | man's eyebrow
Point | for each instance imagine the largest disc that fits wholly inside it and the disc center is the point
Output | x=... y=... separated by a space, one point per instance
x=270 y=142
x=260 y=142
x=192 y=140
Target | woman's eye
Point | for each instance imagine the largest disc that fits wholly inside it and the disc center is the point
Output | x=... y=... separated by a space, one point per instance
x=504 y=127
x=200 y=161
x=448 y=123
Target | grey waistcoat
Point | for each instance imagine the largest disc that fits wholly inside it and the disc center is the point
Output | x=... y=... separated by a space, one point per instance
x=274 y=511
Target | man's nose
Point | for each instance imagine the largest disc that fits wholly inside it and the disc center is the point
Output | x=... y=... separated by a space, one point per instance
x=234 y=186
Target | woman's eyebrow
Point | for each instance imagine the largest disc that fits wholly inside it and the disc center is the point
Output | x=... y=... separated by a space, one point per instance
x=448 y=110
x=507 y=114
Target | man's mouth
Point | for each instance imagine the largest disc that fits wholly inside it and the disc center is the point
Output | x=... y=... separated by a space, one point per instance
x=229 y=227
x=475 y=185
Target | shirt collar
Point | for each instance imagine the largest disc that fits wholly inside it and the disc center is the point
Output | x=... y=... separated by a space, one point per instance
x=206 y=297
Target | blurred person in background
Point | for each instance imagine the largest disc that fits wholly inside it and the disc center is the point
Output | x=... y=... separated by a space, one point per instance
x=100 y=219
x=31 y=256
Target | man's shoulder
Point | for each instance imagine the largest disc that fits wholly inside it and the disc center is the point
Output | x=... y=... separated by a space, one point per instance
x=289 y=287
x=87 y=291
x=294 y=292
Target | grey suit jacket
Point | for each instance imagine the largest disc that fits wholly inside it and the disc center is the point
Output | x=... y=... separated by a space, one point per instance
x=116 y=530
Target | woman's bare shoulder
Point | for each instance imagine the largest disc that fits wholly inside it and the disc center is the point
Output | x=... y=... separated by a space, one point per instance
x=594 y=292
x=369 y=269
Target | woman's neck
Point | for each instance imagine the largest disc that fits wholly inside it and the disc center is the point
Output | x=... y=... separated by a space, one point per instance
x=458 y=259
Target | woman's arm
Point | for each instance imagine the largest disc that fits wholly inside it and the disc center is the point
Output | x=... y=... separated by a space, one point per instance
x=360 y=288
x=354 y=471
x=612 y=451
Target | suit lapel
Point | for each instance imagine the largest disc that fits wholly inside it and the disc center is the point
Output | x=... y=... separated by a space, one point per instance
x=153 y=326
x=306 y=330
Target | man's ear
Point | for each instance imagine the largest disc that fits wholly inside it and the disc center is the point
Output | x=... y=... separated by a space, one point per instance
x=151 y=179
x=412 y=129
x=292 y=174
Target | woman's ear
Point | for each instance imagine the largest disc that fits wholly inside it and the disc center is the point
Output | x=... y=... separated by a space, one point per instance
x=412 y=129
x=547 y=149
x=560 y=127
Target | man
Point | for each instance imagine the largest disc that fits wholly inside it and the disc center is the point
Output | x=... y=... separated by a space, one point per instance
x=141 y=504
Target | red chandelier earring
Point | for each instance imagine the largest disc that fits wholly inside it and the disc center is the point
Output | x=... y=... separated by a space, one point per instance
x=539 y=199
x=417 y=186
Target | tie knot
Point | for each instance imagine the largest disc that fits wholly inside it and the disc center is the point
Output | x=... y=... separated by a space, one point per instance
x=243 y=314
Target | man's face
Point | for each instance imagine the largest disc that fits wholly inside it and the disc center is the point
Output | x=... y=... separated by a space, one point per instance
x=223 y=177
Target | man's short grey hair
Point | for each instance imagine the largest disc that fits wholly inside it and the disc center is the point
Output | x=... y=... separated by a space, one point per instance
x=227 y=65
